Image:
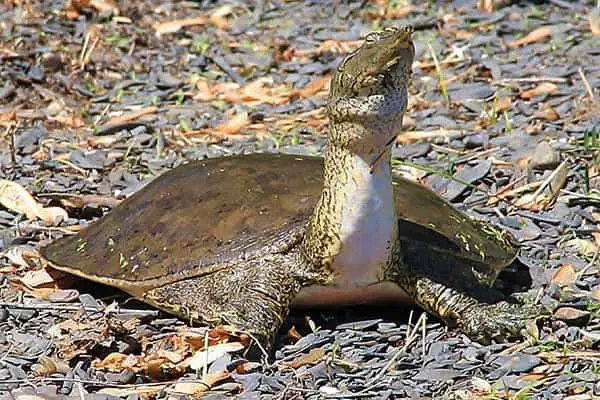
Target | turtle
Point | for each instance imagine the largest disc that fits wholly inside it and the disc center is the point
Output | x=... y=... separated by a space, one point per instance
x=238 y=240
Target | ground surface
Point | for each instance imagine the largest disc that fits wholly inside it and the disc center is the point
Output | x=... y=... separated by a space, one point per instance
x=96 y=99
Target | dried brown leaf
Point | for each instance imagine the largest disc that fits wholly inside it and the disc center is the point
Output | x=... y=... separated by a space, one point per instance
x=594 y=19
x=23 y=396
x=547 y=113
x=82 y=200
x=408 y=123
x=584 y=247
x=315 y=86
x=210 y=354
x=548 y=190
x=48 y=365
x=161 y=368
x=190 y=388
x=37 y=278
x=258 y=91
x=73 y=7
x=572 y=315
x=233 y=126
x=398 y=12
x=63 y=295
x=247 y=367
x=543 y=88
x=64 y=118
x=8 y=116
x=596 y=293
x=117 y=362
x=537 y=35
x=195 y=388
x=132 y=116
x=503 y=104
x=463 y=35
x=145 y=391
x=294 y=334
x=565 y=275
x=596 y=236
x=174 y=26
x=67 y=326
x=329 y=46
x=313 y=357
x=23 y=256
x=218 y=16
x=195 y=337
x=486 y=5
x=39 y=293
x=15 y=197
x=104 y=6
x=413 y=136
x=533 y=377
x=481 y=385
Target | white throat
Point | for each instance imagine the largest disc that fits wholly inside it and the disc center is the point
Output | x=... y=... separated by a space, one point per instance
x=368 y=224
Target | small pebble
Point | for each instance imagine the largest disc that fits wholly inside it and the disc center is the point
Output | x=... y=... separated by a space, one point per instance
x=52 y=62
x=545 y=157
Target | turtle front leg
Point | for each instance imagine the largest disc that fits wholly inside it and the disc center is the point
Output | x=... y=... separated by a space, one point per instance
x=252 y=296
x=481 y=321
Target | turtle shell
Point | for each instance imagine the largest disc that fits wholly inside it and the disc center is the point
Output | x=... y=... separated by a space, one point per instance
x=205 y=215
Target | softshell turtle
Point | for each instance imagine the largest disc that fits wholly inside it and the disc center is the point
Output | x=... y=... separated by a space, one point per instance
x=239 y=239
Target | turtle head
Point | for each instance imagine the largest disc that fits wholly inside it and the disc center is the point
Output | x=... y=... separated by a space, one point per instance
x=369 y=89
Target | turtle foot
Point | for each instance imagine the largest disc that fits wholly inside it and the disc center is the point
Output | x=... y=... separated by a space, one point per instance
x=498 y=322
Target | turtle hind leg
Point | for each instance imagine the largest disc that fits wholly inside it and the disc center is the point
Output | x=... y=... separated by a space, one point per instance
x=252 y=296
x=481 y=320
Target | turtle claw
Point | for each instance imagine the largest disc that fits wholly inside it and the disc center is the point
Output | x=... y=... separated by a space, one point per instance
x=499 y=322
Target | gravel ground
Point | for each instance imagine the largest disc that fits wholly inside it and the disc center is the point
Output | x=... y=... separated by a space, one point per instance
x=97 y=98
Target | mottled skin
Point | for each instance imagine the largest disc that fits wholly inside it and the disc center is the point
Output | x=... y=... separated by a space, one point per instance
x=239 y=239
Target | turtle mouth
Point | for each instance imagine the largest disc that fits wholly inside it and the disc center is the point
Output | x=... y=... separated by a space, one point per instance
x=394 y=75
